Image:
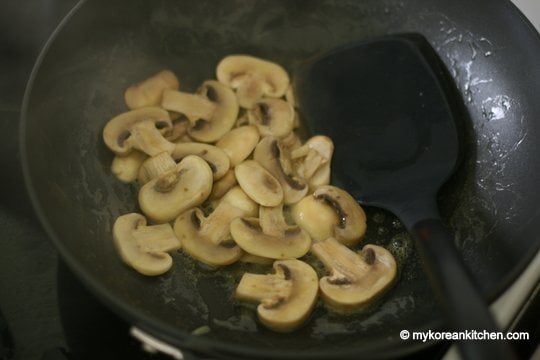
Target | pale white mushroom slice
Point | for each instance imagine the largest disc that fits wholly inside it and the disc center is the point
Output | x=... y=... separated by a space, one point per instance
x=270 y=236
x=125 y=168
x=356 y=278
x=272 y=158
x=290 y=142
x=316 y=217
x=163 y=198
x=148 y=92
x=286 y=297
x=252 y=78
x=351 y=225
x=258 y=183
x=239 y=143
x=223 y=185
x=216 y=158
x=144 y=248
x=208 y=239
x=155 y=166
x=273 y=117
x=180 y=128
x=313 y=159
x=141 y=129
x=212 y=111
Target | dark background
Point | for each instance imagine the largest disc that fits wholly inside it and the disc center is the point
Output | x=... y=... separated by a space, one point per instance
x=28 y=261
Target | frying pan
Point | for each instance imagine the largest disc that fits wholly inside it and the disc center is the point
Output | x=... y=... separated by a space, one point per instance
x=492 y=203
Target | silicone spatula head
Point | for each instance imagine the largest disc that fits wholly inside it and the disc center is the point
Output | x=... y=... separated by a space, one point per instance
x=385 y=103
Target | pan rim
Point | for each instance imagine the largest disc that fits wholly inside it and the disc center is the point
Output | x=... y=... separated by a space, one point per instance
x=183 y=339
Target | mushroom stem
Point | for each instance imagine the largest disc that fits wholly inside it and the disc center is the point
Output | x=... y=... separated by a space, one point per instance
x=156 y=238
x=339 y=258
x=155 y=166
x=193 y=106
x=272 y=221
x=268 y=289
x=148 y=139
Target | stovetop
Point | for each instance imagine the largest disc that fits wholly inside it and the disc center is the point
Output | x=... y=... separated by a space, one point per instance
x=45 y=307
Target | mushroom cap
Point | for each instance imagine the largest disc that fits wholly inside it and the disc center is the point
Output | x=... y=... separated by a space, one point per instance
x=223 y=185
x=117 y=131
x=356 y=278
x=216 y=158
x=286 y=297
x=239 y=143
x=142 y=247
x=351 y=226
x=224 y=116
x=149 y=91
x=316 y=217
x=258 y=183
x=273 y=117
x=249 y=235
x=271 y=157
x=165 y=197
x=187 y=228
x=252 y=77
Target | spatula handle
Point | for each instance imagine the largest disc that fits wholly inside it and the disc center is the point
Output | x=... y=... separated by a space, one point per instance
x=465 y=308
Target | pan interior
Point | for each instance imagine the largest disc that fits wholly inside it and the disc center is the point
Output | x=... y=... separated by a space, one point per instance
x=107 y=45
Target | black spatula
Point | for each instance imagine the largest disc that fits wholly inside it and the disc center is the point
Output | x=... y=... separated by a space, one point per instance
x=390 y=111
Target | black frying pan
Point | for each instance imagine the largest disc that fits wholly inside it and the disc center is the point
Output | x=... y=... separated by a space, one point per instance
x=103 y=46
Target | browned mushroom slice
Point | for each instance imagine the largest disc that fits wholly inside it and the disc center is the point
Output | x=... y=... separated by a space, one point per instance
x=351 y=225
x=252 y=78
x=270 y=236
x=316 y=217
x=273 y=117
x=258 y=183
x=208 y=239
x=215 y=157
x=163 y=198
x=272 y=158
x=143 y=247
x=212 y=111
x=355 y=278
x=286 y=297
x=142 y=129
x=239 y=143
x=149 y=92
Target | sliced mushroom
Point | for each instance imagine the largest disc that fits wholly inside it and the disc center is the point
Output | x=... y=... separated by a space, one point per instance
x=149 y=92
x=351 y=225
x=239 y=143
x=173 y=192
x=272 y=158
x=215 y=157
x=254 y=259
x=252 y=78
x=223 y=185
x=356 y=278
x=212 y=111
x=155 y=166
x=208 y=239
x=142 y=129
x=126 y=168
x=313 y=160
x=316 y=217
x=258 y=183
x=272 y=117
x=290 y=142
x=180 y=127
x=286 y=297
x=142 y=247
x=270 y=236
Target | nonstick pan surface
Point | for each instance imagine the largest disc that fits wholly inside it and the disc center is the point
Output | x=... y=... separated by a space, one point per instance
x=492 y=203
